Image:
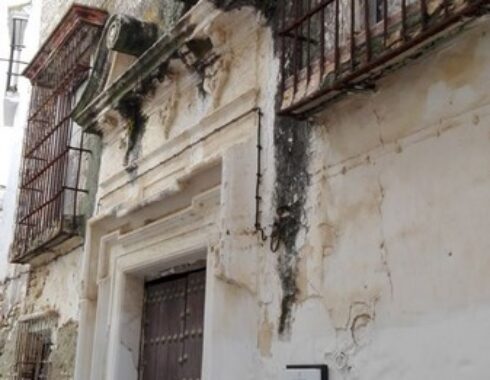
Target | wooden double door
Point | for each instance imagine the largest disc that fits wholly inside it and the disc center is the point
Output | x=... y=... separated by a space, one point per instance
x=173 y=326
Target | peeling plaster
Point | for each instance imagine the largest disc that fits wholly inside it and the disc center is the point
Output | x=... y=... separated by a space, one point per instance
x=266 y=334
x=346 y=195
x=63 y=355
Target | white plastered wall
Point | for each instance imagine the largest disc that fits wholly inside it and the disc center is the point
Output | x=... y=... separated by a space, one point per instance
x=392 y=272
x=393 y=269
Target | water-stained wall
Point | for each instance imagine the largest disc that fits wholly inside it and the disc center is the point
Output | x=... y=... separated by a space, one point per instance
x=391 y=265
x=53 y=285
x=375 y=208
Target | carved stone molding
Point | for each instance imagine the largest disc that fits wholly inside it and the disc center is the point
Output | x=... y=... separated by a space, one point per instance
x=150 y=65
x=109 y=121
x=129 y=35
x=216 y=74
x=168 y=110
x=216 y=78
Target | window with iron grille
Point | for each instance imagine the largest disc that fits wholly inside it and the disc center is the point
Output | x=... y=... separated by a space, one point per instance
x=17 y=33
x=33 y=348
x=329 y=47
x=55 y=152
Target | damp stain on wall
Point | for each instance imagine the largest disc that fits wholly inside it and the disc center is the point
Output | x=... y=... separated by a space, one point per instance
x=292 y=145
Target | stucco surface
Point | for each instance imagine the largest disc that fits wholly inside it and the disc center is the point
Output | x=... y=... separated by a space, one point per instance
x=391 y=270
x=390 y=265
x=392 y=274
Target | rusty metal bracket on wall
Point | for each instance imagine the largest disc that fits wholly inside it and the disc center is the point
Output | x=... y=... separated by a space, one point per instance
x=258 y=198
x=275 y=240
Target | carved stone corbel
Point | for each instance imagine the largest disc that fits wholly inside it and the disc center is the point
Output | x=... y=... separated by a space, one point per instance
x=108 y=121
x=209 y=56
x=129 y=35
x=168 y=110
x=122 y=34
x=216 y=75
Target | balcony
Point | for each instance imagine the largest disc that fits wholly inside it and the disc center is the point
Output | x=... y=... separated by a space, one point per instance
x=55 y=153
x=330 y=47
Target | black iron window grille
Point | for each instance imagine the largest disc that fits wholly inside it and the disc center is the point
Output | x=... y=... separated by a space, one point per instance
x=33 y=348
x=18 y=28
x=56 y=155
x=329 y=47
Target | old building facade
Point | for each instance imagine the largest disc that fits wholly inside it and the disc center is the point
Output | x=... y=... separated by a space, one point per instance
x=19 y=41
x=233 y=189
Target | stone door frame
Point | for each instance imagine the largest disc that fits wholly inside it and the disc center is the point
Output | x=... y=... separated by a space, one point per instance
x=114 y=272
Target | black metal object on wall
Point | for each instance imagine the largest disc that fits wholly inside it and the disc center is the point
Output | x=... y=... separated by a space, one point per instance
x=322 y=369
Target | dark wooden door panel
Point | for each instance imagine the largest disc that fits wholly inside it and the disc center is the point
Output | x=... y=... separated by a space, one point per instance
x=194 y=324
x=173 y=328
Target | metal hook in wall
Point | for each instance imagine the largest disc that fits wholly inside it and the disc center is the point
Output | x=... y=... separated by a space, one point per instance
x=275 y=238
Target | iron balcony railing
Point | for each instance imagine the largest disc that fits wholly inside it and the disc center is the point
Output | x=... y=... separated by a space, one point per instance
x=329 y=47
x=55 y=151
